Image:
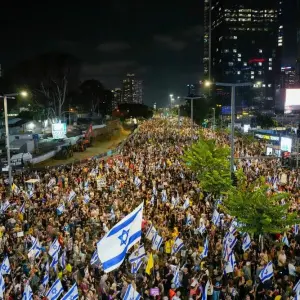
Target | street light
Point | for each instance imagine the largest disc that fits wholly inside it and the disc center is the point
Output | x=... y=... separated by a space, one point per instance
x=233 y=86
x=5 y=97
x=214 y=118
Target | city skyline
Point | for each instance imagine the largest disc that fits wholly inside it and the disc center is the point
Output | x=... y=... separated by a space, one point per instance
x=163 y=47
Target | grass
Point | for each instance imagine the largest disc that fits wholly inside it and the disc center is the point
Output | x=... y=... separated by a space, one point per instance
x=97 y=148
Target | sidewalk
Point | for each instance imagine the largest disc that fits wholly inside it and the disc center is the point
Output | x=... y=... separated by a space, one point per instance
x=98 y=148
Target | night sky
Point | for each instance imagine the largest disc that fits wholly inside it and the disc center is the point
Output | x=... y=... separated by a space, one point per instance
x=161 y=41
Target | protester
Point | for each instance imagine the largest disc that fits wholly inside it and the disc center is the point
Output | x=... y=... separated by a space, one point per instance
x=71 y=208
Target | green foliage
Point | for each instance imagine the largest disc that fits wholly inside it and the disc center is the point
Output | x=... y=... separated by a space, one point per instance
x=211 y=165
x=265 y=121
x=258 y=211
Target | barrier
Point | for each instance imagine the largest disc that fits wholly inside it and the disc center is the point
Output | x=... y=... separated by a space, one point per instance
x=43 y=157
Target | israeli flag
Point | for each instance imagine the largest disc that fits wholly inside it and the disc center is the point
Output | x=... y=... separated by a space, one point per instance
x=95 y=261
x=204 y=294
x=72 y=293
x=55 y=290
x=60 y=209
x=27 y=294
x=138 y=254
x=164 y=197
x=131 y=294
x=52 y=182
x=2 y=287
x=35 y=249
x=205 y=250
x=233 y=226
x=72 y=195
x=45 y=279
x=267 y=272
x=176 y=279
x=5 y=266
x=22 y=208
x=137 y=181
x=135 y=266
x=229 y=267
x=120 y=239
x=296 y=229
x=297 y=297
x=201 y=229
x=54 y=248
x=62 y=260
x=297 y=287
x=246 y=242
x=5 y=206
x=174 y=201
x=285 y=240
x=189 y=220
x=157 y=241
x=54 y=261
x=112 y=214
x=86 y=198
x=216 y=219
x=178 y=244
x=151 y=232
x=186 y=204
x=230 y=240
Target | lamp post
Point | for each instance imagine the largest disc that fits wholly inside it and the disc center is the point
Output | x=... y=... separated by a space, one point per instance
x=214 y=118
x=5 y=97
x=233 y=86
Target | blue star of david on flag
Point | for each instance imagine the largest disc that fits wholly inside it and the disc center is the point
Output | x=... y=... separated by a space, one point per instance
x=123 y=237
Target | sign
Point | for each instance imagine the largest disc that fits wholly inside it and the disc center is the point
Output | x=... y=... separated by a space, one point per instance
x=154 y=292
x=267 y=137
x=246 y=128
x=286 y=144
x=59 y=130
x=101 y=182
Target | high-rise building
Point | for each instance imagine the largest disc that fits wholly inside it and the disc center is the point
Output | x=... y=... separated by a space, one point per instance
x=132 y=90
x=288 y=78
x=117 y=98
x=298 y=42
x=244 y=40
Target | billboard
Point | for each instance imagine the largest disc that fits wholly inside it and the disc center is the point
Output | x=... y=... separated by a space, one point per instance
x=292 y=100
x=59 y=130
x=286 y=144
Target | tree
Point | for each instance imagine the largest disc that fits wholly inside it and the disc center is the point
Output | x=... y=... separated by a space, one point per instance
x=92 y=93
x=265 y=121
x=256 y=209
x=210 y=163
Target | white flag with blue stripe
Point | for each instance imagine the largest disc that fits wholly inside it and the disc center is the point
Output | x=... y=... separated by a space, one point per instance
x=72 y=195
x=60 y=209
x=229 y=267
x=285 y=240
x=157 y=241
x=35 y=249
x=267 y=272
x=2 y=286
x=205 y=291
x=72 y=293
x=154 y=191
x=137 y=181
x=5 y=266
x=95 y=261
x=164 y=197
x=246 y=242
x=201 y=229
x=297 y=296
x=27 y=294
x=55 y=290
x=216 y=219
x=46 y=278
x=189 y=220
x=176 y=278
x=5 y=206
x=229 y=240
x=86 y=198
x=186 y=203
x=296 y=229
x=297 y=287
x=54 y=261
x=151 y=232
x=22 y=208
x=178 y=244
x=131 y=294
x=138 y=254
x=63 y=260
x=54 y=248
x=205 y=250
x=120 y=239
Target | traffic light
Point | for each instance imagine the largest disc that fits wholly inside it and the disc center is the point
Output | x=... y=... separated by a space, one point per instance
x=234 y=179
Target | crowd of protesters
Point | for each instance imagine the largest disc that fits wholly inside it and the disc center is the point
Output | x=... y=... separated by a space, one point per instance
x=104 y=191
